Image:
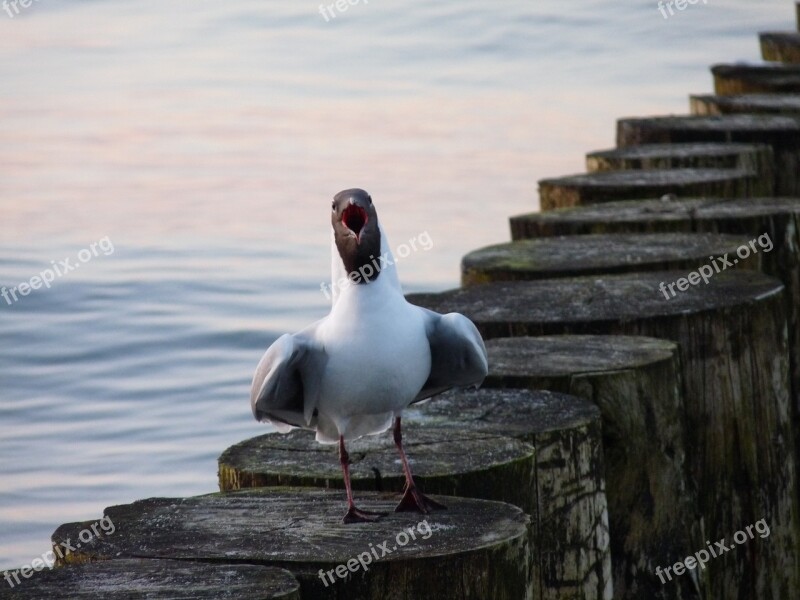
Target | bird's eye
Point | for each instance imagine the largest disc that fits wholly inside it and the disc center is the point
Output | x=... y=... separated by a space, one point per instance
x=370 y=199
x=333 y=205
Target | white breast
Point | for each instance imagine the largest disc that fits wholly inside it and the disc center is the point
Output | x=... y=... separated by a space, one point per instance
x=378 y=358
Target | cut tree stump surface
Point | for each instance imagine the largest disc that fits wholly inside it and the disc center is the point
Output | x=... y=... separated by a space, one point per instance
x=636 y=383
x=157 y=580
x=527 y=362
x=465 y=462
x=780 y=46
x=509 y=308
x=788 y=104
x=607 y=186
x=569 y=256
x=756 y=79
x=474 y=549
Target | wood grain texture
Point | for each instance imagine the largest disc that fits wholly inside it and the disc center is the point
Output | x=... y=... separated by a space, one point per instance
x=607 y=186
x=777 y=218
x=788 y=104
x=475 y=549
x=782 y=132
x=157 y=580
x=757 y=158
x=756 y=79
x=733 y=342
x=458 y=444
x=636 y=383
x=465 y=462
x=572 y=522
x=780 y=46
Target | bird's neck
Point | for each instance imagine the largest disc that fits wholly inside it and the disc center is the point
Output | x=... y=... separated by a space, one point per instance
x=382 y=262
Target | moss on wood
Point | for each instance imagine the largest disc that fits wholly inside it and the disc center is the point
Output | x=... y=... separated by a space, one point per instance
x=570 y=256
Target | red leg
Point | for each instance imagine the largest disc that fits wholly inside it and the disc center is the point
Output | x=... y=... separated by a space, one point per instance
x=412 y=499
x=353 y=514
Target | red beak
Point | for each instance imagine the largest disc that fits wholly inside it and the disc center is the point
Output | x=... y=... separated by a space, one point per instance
x=354 y=218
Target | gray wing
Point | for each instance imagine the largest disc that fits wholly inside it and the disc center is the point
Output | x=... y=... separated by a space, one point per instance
x=284 y=387
x=458 y=355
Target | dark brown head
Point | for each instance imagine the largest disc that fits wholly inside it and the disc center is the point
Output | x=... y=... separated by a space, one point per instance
x=356 y=233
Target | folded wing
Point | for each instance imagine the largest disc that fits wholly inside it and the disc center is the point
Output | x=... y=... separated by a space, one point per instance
x=283 y=388
x=458 y=355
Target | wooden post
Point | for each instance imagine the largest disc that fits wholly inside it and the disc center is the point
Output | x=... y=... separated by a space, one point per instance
x=782 y=132
x=573 y=517
x=780 y=46
x=594 y=188
x=158 y=580
x=756 y=79
x=570 y=256
x=474 y=549
x=456 y=443
x=736 y=386
x=756 y=158
x=776 y=218
x=787 y=104
x=636 y=383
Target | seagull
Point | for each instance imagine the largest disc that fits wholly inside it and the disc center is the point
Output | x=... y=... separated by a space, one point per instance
x=353 y=372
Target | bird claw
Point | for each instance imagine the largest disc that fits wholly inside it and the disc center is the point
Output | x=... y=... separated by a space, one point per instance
x=413 y=499
x=356 y=515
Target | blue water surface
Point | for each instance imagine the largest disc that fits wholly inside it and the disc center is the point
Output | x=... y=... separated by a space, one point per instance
x=204 y=141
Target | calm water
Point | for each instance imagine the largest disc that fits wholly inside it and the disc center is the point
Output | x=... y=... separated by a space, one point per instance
x=202 y=142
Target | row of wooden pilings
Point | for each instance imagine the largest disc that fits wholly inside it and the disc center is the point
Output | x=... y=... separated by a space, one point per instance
x=642 y=404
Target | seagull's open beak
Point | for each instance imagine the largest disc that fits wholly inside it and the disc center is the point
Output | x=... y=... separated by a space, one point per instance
x=354 y=218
